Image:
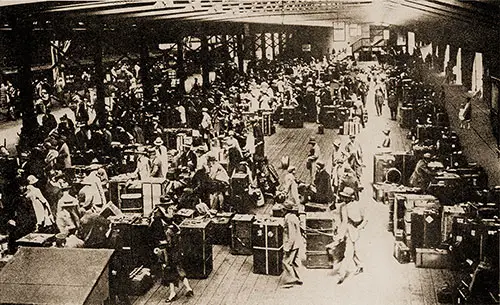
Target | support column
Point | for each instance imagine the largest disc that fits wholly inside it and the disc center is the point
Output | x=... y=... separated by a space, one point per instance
x=24 y=42
x=147 y=88
x=181 y=74
x=100 y=107
x=280 y=44
x=205 y=62
x=240 y=51
x=273 y=45
x=263 y=44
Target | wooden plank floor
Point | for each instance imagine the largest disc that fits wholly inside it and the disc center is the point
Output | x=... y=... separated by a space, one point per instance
x=384 y=281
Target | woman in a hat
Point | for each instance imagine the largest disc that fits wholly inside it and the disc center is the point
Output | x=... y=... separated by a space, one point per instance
x=166 y=235
x=353 y=220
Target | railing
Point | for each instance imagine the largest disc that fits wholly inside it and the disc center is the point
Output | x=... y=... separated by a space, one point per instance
x=361 y=43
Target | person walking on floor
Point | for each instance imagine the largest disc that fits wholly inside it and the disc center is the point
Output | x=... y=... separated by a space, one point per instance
x=292 y=239
x=166 y=236
x=379 y=98
x=353 y=221
x=465 y=114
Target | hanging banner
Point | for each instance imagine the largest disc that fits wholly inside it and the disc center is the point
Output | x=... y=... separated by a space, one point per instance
x=401 y=40
x=446 y=57
x=426 y=50
x=411 y=42
x=477 y=73
x=458 y=68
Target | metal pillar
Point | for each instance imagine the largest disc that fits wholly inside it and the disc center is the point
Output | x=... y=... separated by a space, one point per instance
x=205 y=62
x=147 y=88
x=23 y=41
x=100 y=107
x=181 y=74
x=263 y=45
x=240 y=51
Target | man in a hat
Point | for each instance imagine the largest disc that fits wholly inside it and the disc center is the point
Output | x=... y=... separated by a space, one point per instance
x=206 y=126
x=392 y=103
x=89 y=196
x=162 y=153
x=338 y=159
x=157 y=164
x=292 y=240
x=354 y=154
x=313 y=156
x=143 y=169
x=67 y=217
x=219 y=182
x=353 y=220
x=349 y=179
x=322 y=190
x=423 y=174
x=291 y=186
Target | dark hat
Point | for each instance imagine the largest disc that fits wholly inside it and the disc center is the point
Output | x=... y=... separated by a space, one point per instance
x=320 y=164
x=291 y=169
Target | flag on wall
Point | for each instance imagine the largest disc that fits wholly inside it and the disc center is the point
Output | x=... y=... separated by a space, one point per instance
x=426 y=50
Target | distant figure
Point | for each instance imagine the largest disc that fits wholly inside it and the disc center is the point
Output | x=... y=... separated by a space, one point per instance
x=465 y=114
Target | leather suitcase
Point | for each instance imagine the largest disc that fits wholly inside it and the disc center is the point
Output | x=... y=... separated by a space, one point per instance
x=267 y=234
x=425 y=228
x=140 y=281
x=406 y=117
x=318 y=260
x=415 y=200
x=267 y=123
x=401 y=252
x=131 y=203
x=317 y=242
x=448 y=214
x=330 y=120
x=152 y=190
x=268 y=261
x=240 y=199
x=382 y=162
x=182 y=214
x=241 y=234
x=432 y=258
x=36 y=240
x=221 y=230
x=196 y=248
x=322 y=221
x=405 y=163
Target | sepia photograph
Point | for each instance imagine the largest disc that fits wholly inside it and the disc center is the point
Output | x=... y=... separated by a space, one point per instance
x=249 y=152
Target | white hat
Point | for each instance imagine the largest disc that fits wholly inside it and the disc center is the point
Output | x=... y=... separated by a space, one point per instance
x=158 y=141
x=32 y=179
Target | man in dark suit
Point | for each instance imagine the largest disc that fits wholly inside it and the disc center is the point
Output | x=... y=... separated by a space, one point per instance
x=322 y=184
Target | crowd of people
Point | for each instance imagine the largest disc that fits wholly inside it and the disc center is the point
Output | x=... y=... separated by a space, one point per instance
x=222 y=135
